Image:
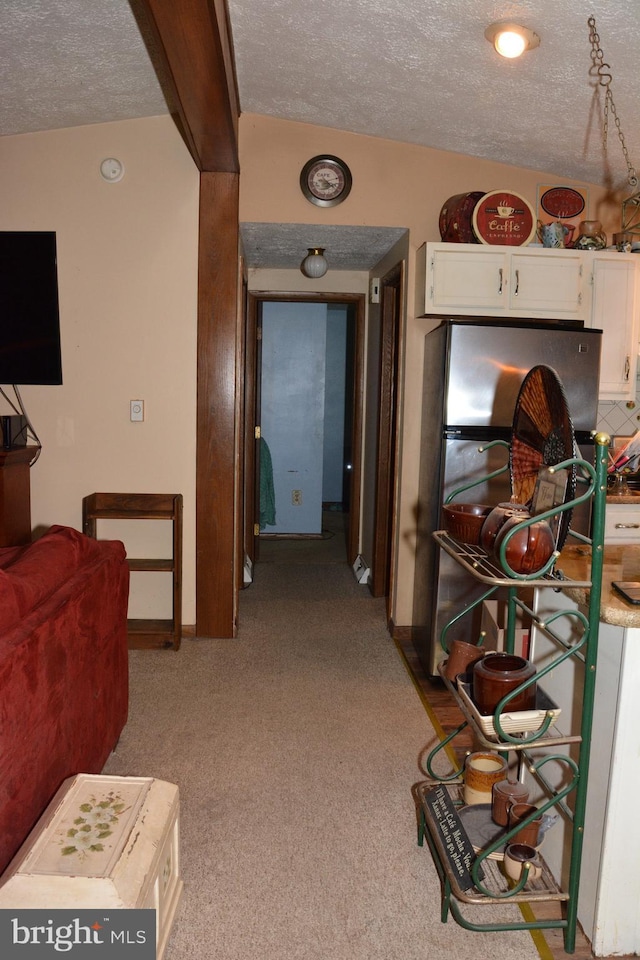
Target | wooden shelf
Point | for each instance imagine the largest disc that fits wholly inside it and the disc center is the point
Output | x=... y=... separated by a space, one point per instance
x=145 y=634
x=462 y=881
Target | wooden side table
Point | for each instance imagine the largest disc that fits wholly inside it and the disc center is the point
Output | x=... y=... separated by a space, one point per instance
x=15 y=496
x=145 y=634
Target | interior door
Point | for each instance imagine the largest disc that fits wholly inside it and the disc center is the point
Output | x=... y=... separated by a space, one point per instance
x=390 y=314
x=355 y=389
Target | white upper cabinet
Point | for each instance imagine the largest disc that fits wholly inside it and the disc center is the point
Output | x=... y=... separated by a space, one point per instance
x=614 y=310
x=471 y=279
x=547 y=284
x=459 y=282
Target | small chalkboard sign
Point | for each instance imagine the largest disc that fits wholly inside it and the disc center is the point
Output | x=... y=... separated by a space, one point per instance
x=454 y=838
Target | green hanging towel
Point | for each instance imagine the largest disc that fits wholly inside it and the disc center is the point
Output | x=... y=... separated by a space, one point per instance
x=267 y=493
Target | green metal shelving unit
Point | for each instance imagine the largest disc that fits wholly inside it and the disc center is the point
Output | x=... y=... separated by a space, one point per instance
x=538 y=747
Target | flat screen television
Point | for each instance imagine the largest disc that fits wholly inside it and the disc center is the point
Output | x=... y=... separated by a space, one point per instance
x=29 y=314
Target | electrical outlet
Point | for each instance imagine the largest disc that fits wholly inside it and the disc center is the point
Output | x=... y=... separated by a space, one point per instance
x=296 y=498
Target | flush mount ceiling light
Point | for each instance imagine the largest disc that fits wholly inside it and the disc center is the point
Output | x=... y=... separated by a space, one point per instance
x=510 y=39
x=314 y=264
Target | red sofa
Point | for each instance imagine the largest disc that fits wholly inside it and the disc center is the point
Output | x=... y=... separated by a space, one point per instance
x=63 y=669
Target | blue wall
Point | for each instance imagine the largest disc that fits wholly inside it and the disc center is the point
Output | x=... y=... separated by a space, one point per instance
x=302 y=409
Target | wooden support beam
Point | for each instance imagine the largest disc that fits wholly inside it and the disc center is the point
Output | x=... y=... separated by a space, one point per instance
x=190 y=45
x=218 y=332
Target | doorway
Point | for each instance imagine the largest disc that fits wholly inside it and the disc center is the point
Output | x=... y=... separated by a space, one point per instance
x=305 y=383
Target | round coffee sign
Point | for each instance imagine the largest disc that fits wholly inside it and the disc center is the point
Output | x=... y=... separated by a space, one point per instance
x=562 y=202
x=503 y=218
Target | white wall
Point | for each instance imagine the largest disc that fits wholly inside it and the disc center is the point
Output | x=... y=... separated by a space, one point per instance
x=127 y=265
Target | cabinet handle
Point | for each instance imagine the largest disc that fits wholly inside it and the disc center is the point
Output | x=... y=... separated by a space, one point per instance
x=627 y=367
x=627 y=526
x=500 y=284
x=515 y=292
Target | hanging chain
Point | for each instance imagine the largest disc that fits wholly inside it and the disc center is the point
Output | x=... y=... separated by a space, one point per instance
x=602 y=71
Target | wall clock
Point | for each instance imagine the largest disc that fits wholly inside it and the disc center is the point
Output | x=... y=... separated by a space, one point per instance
x=325 y=180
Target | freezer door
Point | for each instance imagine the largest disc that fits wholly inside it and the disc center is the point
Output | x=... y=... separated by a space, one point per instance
x=487 y=363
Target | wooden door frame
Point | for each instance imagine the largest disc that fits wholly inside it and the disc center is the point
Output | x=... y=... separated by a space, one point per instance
x=382 y=569
x=358 y=300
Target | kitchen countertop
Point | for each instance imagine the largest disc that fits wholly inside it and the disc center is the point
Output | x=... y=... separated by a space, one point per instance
x=621 y=562
x=632 y=497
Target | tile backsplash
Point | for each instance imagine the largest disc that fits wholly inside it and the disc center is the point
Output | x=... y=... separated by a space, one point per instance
x=620 y=418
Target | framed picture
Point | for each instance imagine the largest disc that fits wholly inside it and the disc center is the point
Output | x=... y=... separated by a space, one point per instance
x=569 y=205
x=550 y=491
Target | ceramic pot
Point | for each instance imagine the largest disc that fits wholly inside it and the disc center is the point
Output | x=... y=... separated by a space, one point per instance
x=591 y=236
x=529 y=548
x=481 y=771
x=498 y=674
x=504 y=794
x=496 y=520
x=464 y=521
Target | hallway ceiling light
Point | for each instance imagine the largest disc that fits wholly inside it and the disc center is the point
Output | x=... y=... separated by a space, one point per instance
x=510 y=39
x=314 y=264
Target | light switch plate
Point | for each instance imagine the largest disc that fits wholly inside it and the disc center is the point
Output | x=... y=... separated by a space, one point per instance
x=136 y=410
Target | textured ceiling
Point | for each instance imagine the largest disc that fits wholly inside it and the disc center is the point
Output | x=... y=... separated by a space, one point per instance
x=283 y=245
x=64 y=63
x=418 y=71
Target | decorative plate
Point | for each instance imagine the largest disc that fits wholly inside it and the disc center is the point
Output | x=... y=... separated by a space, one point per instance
x=562 y=202
x=542 y=436
x=505 y=219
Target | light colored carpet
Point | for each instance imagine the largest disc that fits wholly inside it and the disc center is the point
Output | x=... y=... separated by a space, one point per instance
x=295 y=748
x=330 y=547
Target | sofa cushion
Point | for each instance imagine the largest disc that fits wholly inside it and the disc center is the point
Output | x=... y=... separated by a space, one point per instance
x=30 y=574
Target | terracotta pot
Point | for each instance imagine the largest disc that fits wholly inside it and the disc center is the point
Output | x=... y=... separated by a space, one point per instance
x=527 y=550
x=496 y=520
x=498 y=674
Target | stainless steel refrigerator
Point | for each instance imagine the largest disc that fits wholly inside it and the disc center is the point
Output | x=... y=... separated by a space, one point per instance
x=473 y=371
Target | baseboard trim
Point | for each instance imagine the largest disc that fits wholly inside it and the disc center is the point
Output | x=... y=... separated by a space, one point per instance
x=402 y=633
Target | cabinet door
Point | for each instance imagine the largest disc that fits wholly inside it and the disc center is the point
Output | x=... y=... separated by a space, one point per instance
x=622 y=523
x=466 y=281
x=614 y=312
x=547 y=284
